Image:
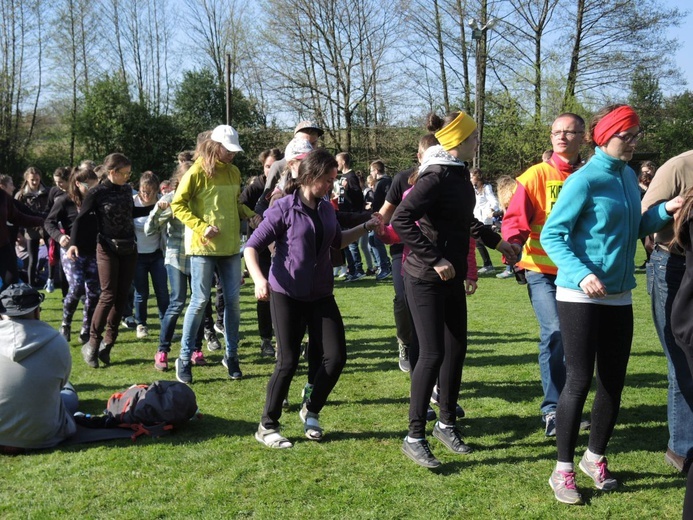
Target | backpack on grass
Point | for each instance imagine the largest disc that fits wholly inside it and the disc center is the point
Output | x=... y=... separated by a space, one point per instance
x=154 y=409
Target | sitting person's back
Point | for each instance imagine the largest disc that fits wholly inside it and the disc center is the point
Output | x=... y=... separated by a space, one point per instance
x=35 y=364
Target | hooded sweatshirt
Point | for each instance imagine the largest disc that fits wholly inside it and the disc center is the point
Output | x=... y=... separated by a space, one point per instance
x=35 y=364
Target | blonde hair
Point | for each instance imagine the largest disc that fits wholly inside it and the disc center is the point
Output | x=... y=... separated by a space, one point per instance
x=505 y=187
x=210 y=151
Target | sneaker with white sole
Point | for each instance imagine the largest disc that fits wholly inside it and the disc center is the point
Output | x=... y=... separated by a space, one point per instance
x=212 y=340
x=487 y=269
x=232 y=365
x=598 y=471
x=142 y=331
x=183 y=371
x=435 y=397
x=404 y=364
x=564 y=488
x=219 y=328
x=550 y=424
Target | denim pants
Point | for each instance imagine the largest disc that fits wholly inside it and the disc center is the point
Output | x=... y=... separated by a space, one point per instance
x=542 y=295
x=202 y=272
x=664 y=274
x=178 y=281
x=379 y=252
x=150 y=264
x=353 y=258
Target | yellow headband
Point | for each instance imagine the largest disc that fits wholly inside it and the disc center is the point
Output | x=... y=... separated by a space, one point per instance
x=456 y=132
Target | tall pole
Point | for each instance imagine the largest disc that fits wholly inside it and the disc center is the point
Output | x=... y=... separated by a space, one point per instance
x=228 y=89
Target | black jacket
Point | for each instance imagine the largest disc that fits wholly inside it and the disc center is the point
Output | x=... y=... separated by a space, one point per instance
x=442 y=202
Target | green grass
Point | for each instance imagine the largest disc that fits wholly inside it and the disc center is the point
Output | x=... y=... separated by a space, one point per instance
x=213 y=468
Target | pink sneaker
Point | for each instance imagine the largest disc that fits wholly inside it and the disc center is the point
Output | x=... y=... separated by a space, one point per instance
x=198 y=359
x=161 y=361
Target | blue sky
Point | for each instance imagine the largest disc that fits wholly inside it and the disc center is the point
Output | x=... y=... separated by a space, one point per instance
x=684 y=33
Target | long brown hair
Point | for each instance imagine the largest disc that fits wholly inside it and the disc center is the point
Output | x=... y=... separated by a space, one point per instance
x=682 y=236
x=83 y=173
x=210 y=151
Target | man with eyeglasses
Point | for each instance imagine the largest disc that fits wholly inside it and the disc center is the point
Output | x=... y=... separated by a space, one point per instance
x=664 y=274
x=537 y=191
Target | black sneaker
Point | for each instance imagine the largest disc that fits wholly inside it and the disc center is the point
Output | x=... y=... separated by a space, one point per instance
x=452 y=439
x=105 y=353
x=430 y=414
x=84 y=335
x=90 y=355
x=65 y=332
x=233 y=367
x=435 y=397
x=129 y=323
x=212 y=340
x=420 y=452
x=183 y=371
x=266 y=348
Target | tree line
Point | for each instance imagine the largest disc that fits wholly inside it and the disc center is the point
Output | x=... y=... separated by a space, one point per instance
x=83 y=78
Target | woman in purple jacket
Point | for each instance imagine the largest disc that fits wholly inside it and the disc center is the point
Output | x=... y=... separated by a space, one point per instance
x=302 y=226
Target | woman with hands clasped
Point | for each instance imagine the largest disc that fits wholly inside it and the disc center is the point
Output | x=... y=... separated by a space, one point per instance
x=435 y=221
x=303 y=226
x=591 y=236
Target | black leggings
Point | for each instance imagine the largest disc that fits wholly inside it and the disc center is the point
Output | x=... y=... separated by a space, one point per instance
x=600 y=333
x=326 y=333
x=439 y=311
x=32 y=247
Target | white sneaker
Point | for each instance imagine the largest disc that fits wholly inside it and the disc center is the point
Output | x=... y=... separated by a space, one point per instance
x=142 y=331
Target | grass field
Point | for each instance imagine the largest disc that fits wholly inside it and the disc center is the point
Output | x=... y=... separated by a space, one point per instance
x=213 y=468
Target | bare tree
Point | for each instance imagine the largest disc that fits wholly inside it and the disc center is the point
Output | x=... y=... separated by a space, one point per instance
x=610 y=39
x=329 y=58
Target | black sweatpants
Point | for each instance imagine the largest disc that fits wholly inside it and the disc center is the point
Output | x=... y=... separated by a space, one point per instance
x=592 y=333
x=439 y=312
x=326 y=334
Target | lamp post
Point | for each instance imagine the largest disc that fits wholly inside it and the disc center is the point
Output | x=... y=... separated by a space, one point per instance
x=479 y=36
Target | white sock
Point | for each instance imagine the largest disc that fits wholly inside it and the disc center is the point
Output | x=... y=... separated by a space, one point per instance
x=445 y=426
x=568 y=467
x=592 y=457
x=412 y=440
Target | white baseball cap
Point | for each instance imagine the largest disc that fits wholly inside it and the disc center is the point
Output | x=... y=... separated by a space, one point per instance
x=227 y=136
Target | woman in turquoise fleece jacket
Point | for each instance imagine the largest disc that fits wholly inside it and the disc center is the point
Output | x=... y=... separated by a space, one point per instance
x=591 y=235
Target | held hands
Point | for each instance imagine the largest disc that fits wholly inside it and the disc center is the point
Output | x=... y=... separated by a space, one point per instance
x=673 y=206
x=162 y=204
x=445 y=269
x=72 y=253
x=375 y=222
x=593 y=286
x=254 y=221
x=211 y=232
x=509 y=251
x=64 y=241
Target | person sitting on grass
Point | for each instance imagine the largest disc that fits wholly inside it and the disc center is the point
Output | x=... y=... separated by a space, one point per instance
x=36 y=400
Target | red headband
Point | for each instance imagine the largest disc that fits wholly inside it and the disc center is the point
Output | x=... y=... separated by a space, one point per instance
x=616 y=121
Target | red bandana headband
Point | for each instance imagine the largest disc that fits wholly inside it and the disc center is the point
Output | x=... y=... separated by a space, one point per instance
x=614 y=122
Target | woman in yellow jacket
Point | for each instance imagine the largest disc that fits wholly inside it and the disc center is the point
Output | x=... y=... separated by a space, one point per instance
x=206 y=201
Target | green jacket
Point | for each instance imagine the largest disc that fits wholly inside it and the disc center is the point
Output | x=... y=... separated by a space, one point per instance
x=201 y=201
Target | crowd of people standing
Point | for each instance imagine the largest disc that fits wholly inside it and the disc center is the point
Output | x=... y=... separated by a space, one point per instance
x=569 y=226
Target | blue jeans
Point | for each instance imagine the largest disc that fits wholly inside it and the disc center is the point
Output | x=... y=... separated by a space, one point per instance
x=542 y=295
x=353 y=258
x=379 y=252
x=150 y=264
x=664 y=274
x=202 y=271
x=178 y=281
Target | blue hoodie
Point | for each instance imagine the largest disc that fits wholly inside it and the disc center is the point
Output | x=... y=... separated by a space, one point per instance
x=595 y=225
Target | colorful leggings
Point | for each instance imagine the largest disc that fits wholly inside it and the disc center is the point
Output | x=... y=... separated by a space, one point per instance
x=83 y=276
